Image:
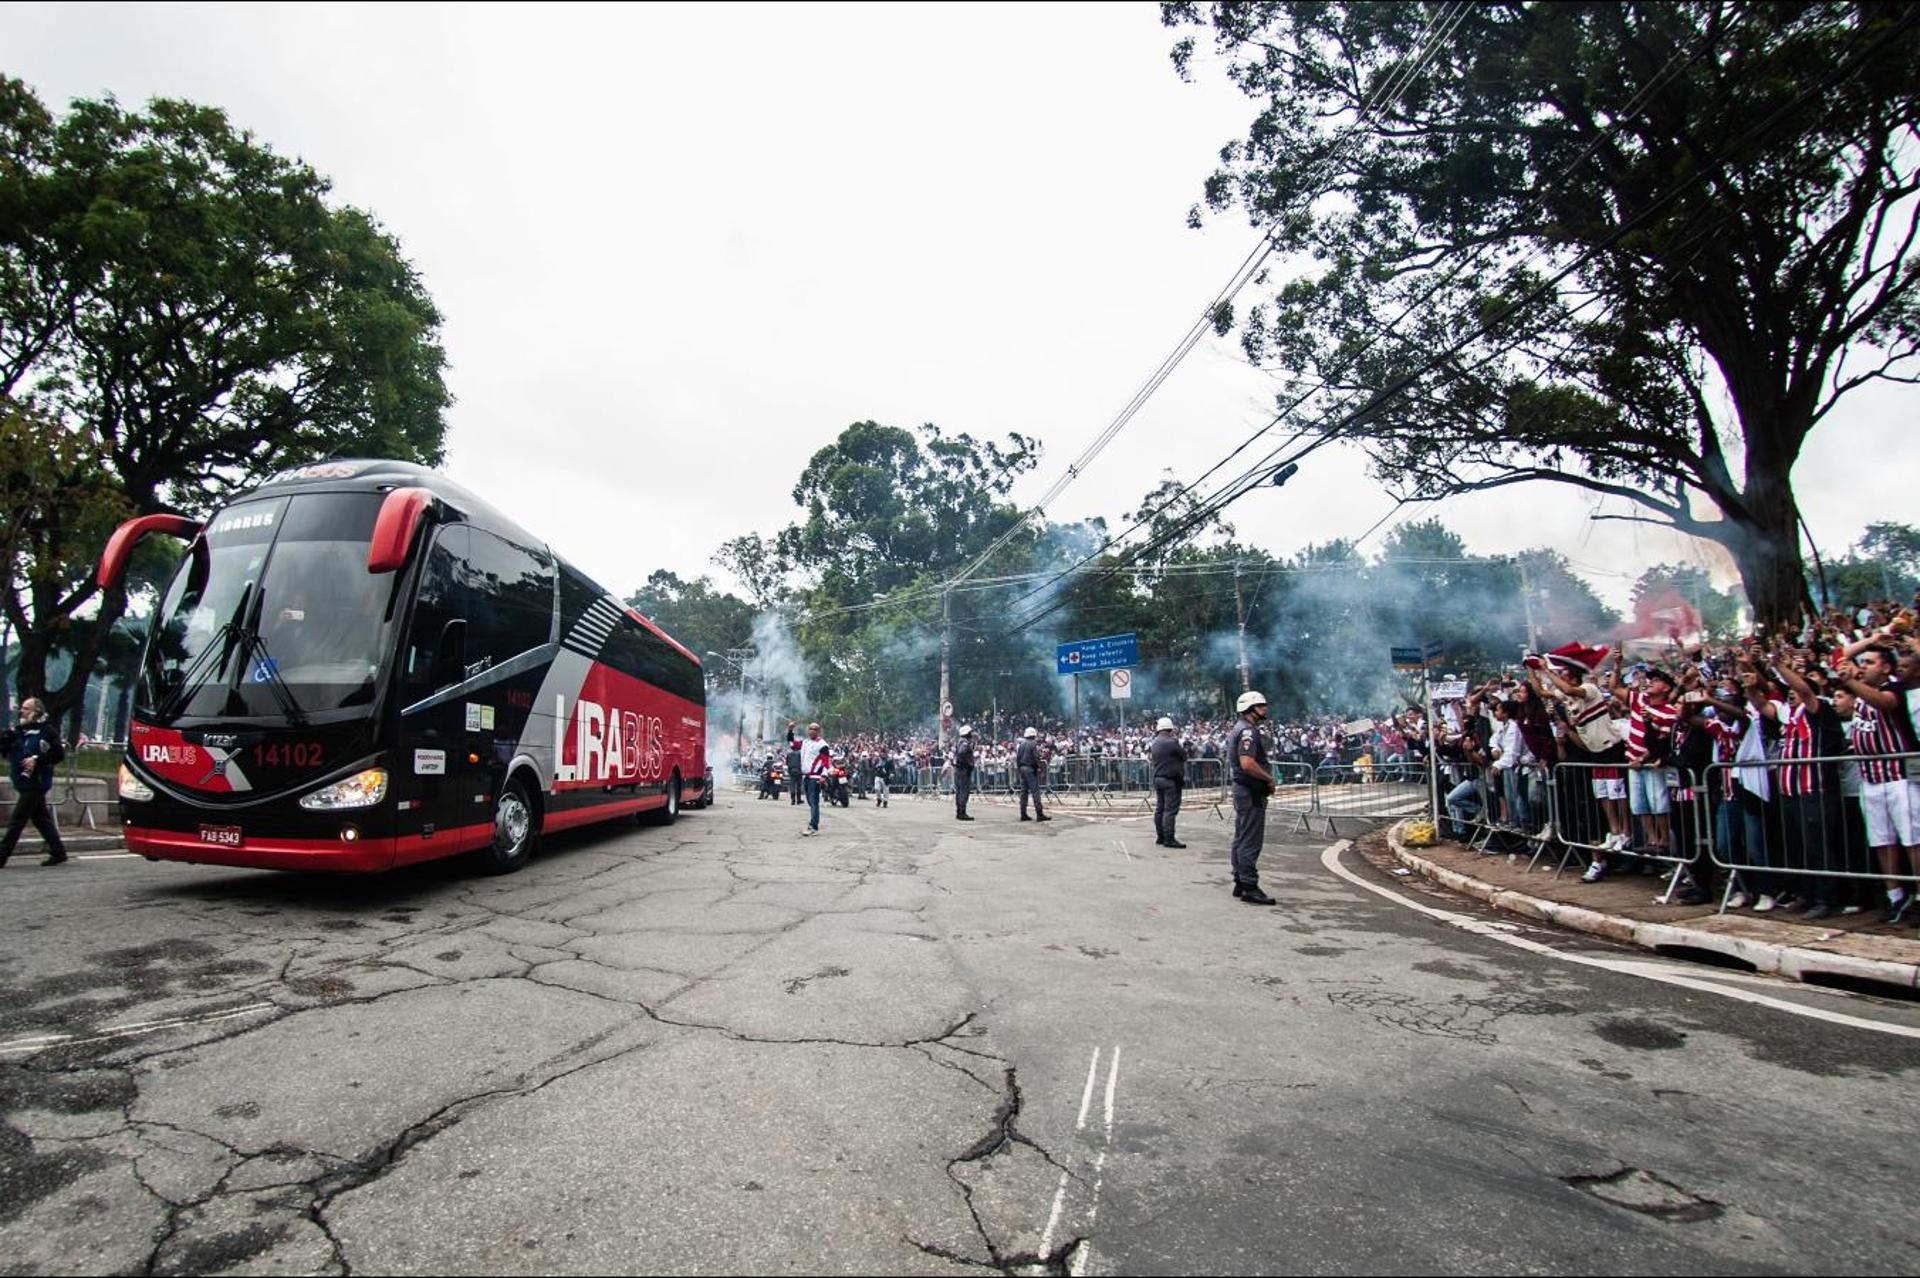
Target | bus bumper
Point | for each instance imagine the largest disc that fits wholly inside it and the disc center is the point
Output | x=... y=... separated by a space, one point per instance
x=362 y=855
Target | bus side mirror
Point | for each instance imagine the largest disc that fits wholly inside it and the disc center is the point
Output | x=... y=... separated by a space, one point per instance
x=113 y=560
x=450 y=655
x=394 y=526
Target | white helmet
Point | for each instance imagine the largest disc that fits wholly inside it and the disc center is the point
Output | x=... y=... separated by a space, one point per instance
x=1032 y=732
x=966 y=730
x=1248 y=700
x=1165 y=725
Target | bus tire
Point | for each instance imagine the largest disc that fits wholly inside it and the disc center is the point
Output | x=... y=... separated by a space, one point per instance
x=515 y=830
x=667 y=814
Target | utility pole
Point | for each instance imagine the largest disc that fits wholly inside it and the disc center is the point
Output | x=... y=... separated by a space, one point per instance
x=946 y=645
x=1240 y=613
x=1526 y=598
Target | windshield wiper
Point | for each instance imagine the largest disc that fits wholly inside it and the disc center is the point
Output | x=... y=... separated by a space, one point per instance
x=224 y=639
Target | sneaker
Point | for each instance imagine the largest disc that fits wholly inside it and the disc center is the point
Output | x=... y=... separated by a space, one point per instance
x=1595 y=872
x=1738 y=901
x=1546 y=832
x=1895 y=911
x=1818 y=910
x=808 y=833
x=1764 y=904
x=1685 y=896
x=1851 y=909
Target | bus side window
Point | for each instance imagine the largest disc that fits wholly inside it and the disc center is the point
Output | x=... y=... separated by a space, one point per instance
x=513 y=590
x=442 y=597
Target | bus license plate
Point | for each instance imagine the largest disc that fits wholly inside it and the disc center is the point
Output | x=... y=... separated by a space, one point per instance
x=224 y=836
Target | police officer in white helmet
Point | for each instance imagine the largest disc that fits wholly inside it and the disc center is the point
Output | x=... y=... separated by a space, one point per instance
x=1168 y=759
x=1030 y=765
x=1252 y=783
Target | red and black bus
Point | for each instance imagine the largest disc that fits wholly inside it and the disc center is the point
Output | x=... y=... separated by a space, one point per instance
x=359 y=665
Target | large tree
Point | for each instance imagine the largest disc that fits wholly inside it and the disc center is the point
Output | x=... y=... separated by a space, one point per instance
x=1550 y=241
x=192 y=312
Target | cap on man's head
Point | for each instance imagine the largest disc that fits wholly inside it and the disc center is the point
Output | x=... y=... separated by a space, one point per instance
x=966 y=729
x=1165 y=725
x=1032 y=732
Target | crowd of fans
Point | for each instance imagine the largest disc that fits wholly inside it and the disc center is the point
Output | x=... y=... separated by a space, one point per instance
x=1795 y=741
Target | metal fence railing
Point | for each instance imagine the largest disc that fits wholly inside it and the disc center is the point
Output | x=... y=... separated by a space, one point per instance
x=1824 y=830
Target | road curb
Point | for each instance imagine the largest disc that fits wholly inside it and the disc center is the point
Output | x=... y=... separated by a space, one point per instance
x=1796 y=961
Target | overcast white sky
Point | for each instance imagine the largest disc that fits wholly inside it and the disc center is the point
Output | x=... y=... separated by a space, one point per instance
x=679 y=248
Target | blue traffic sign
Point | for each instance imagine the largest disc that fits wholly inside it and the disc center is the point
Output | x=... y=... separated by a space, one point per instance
x=1083 y=656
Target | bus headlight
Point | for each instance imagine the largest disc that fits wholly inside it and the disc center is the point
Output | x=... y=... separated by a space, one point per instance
x=361 y=790
x=132 y=787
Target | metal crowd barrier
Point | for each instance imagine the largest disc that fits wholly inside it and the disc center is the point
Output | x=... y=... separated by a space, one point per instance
x=1369 y=792
x=1613 y=812
x=1818 y=842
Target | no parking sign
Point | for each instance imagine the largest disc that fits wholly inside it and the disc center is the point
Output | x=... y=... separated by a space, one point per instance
x=1120 y=684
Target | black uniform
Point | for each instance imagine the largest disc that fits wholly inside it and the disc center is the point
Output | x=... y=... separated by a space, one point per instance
x=1169 y=760
x=1028 y=765
x=1249 y=806
x=41 y=743
x=962 y=777
x=793 y=770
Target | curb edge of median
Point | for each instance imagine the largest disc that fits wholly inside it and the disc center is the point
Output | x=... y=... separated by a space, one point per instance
x=1794 y=961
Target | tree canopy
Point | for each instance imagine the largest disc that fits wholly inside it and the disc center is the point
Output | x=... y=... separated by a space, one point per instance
x=1548 y=241
x=189 y=310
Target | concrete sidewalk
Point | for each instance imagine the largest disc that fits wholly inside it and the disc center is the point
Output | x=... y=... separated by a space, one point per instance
x=1854 y=948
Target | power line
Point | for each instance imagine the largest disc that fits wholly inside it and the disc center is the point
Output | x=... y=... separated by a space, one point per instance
x=1391 y=86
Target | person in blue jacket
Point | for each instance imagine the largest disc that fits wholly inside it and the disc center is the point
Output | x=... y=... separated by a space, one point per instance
x=33 y=748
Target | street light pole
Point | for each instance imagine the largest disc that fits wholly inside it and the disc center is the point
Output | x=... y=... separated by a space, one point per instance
x=1240 y=613
x=946 y=645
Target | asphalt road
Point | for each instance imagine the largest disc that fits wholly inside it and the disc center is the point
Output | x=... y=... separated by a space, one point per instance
x=907 y=1045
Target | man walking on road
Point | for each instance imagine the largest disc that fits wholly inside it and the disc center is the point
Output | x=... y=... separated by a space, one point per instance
x=815 y=760
x=1252 y=783
x=33 y=749
x=1030 y=765
x=963 y=773
x=1169 y=761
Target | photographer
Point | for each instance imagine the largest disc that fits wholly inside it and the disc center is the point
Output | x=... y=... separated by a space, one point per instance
x=33 y=748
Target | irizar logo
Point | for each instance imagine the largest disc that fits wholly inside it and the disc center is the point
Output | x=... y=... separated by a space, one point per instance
x=614 y=745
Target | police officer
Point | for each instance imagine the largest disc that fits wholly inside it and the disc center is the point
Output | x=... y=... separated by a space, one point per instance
x=32 y=750
x=963 y=773
x=1030 y=765
x=1169 y=761
x=1252 y=783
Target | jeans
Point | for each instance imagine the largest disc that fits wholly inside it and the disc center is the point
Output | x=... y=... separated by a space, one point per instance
x=813 y=803
x=1464 y=802
x=1740 y=837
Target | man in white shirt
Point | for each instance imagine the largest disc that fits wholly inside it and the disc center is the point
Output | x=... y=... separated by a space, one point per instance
x=815 y=761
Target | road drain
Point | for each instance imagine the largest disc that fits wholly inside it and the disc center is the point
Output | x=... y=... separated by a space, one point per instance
x=1648 y=1194
x=1702 y=955
x=1861 y=985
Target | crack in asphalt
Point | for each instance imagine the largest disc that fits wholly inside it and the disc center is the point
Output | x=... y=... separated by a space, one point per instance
x=300 y=986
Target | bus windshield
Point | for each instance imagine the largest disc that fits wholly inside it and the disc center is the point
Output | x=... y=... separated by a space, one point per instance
x=272 y=614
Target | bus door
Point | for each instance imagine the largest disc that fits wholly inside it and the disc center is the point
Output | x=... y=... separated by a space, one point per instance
x=443 y=748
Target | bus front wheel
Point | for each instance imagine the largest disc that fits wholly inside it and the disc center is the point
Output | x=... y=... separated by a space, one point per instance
x=513 y=830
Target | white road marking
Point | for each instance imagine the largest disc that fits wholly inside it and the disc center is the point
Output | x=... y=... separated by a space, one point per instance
x=1122 y=845
x=1085 y=1257
x=1504 y=933
x=1060 y=1195
x=44 y=1041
